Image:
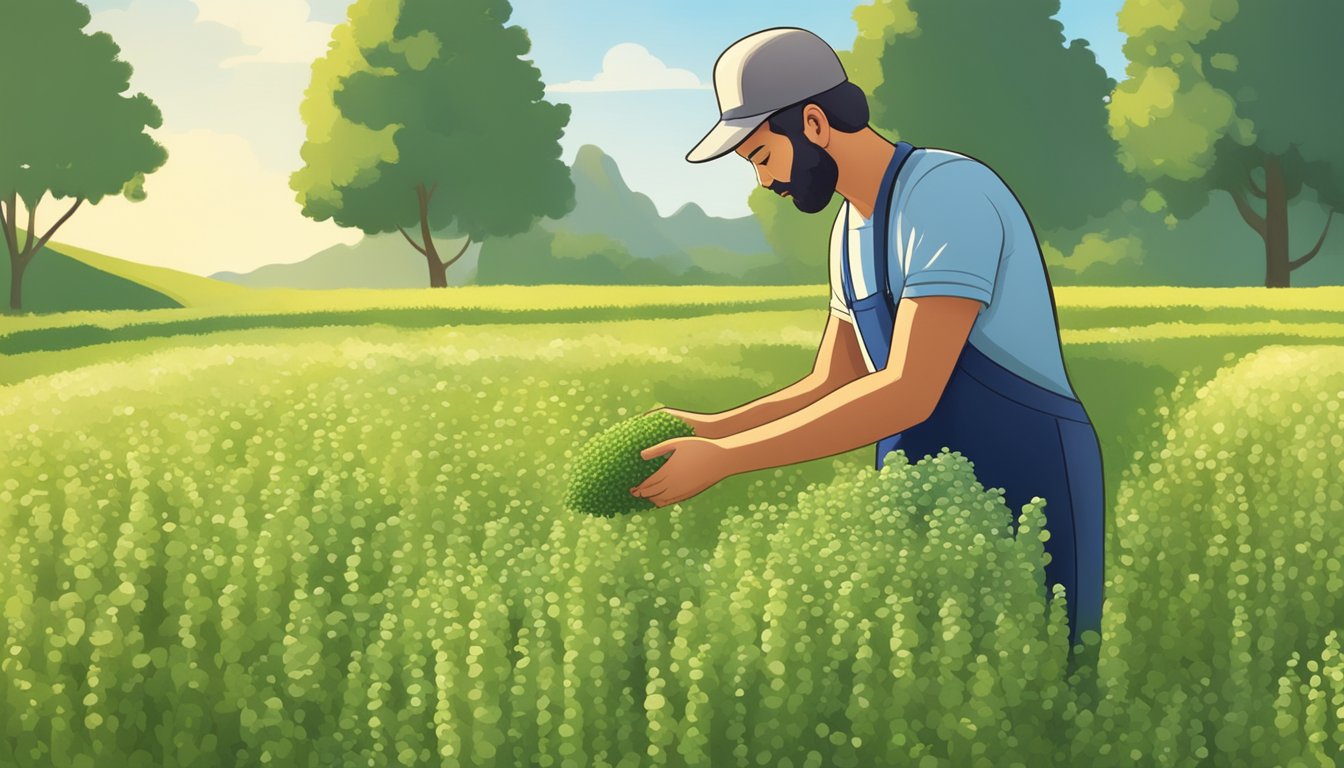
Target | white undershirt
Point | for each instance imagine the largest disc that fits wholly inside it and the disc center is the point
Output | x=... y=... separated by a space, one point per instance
x=860 y=244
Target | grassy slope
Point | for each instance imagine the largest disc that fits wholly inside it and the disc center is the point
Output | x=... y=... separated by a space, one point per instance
x=186 y=289
x=58 y=283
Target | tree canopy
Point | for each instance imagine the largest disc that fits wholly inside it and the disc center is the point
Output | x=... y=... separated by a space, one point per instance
x=1237 y=97
x=69 y=132
x=424 y=115
x=998 y=81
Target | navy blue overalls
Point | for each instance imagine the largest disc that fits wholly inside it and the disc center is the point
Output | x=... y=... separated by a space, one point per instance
x=1021 y=437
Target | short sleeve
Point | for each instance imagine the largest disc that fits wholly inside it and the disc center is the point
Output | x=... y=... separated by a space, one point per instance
x=837 y=303
x=949 y=238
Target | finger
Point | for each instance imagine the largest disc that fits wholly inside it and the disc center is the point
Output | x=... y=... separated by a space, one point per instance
x=658 y=449
x=655 y=450
x=648 y=488
x=666 y=496
x=652 y=483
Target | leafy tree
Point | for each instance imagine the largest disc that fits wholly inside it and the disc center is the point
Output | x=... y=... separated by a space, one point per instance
x=997 y=81
x=68 y=130
x=1220 y=91
x=424 y=115
x=800 y=240
x=986 y=78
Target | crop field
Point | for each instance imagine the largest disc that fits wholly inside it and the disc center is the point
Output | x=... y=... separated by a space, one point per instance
x=326 y=528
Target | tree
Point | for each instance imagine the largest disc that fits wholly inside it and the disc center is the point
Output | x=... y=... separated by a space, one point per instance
x=1217 y=90
x=68 y=132
x=424 y=115
x=997 y=81
x=800 y=240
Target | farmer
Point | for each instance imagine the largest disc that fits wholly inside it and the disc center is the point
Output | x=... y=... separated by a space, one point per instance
x=942 y=327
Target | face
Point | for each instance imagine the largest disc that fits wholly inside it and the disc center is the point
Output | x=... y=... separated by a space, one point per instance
x=793 y=166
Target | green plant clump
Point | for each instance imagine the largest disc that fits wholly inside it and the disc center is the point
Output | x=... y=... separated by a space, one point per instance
x=609 y=465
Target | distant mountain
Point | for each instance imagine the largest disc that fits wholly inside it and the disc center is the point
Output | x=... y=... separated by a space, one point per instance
x=604 y=205
x=376 y=261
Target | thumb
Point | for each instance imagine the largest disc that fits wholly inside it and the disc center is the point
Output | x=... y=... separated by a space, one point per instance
x=658 y=449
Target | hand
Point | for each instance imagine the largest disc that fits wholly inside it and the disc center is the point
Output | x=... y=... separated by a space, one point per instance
x=703 y=424
x=696 y=464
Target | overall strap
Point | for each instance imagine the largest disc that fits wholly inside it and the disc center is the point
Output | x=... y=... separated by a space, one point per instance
x=882 y=216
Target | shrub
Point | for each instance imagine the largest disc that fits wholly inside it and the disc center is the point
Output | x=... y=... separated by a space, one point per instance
x=1227 y=585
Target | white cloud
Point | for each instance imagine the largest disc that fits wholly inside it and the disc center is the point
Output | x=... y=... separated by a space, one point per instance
x=211 y=207
x=630 y=67
x=278 y=29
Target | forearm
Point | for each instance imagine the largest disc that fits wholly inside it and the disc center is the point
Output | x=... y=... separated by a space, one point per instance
x=858 y=413
x=767 y=408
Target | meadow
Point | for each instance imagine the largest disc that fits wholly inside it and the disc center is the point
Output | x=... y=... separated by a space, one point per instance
x=306 y=528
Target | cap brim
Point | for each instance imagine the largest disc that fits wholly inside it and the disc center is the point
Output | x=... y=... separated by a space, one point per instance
x=724 y=137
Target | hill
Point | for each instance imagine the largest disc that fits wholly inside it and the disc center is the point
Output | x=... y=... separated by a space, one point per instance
x=607 y=215
x=376 y=261
x=64 y=278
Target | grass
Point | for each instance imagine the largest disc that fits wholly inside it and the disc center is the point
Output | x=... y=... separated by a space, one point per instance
x=459 y=408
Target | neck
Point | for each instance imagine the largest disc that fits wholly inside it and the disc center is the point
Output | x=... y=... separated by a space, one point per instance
x=862 y=158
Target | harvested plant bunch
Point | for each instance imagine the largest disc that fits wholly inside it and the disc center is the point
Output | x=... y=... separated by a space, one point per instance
x=609 y=464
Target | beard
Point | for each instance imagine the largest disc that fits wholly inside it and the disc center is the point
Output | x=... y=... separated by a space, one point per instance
x=812 y=178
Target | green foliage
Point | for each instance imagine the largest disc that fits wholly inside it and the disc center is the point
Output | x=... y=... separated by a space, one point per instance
x=1094 y=249
x=403 y=99
x=1216 y=86
x=278 y=565
x=1210 y=248
x=1228 y=583
x=968 y=75
x=542 y=256
x=335 y=549
x=69 y=131
x=609 y=465
x=801 y=240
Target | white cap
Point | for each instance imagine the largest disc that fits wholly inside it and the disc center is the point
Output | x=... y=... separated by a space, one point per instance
x=761 y=74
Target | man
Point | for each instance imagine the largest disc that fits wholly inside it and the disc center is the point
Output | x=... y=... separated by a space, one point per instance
x=942 y=328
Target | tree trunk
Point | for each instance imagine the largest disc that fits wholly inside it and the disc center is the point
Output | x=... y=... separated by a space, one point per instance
x=16 y=269
x=21 y=257
x=438 y=271
x=1277 y=268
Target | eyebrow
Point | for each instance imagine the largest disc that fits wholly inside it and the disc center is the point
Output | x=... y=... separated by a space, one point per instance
x=758 y=148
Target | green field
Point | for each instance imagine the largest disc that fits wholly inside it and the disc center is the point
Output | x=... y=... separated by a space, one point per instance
x=295 y=527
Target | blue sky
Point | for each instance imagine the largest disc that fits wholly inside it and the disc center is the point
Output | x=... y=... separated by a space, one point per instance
x=229 y=74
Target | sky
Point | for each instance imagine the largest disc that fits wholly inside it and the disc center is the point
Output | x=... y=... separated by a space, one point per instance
x=229 y=75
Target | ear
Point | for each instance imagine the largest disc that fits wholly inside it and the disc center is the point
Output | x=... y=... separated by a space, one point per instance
x=816 y=127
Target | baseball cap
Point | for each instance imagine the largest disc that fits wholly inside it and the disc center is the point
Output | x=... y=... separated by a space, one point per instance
x=761 y=74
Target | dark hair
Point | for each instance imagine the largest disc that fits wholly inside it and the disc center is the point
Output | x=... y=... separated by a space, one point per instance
x=845 y=105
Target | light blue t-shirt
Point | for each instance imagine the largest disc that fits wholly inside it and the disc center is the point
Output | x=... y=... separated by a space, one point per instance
x=957 y=230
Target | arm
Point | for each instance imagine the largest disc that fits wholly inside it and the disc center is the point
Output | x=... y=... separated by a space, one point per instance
x=838 y=362
x=950 y=269
x=926 y=340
